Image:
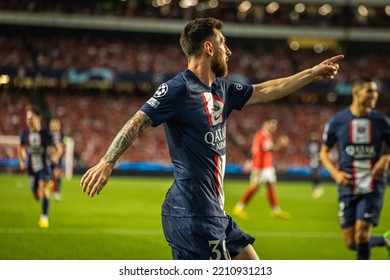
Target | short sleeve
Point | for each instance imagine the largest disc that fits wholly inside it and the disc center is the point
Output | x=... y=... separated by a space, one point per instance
x=164 y=104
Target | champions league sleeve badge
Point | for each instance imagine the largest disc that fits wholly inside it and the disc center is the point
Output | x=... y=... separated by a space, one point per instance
x=161 y=91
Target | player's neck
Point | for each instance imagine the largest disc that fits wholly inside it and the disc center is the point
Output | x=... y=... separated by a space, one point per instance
x=359 y=111
x=202 y=69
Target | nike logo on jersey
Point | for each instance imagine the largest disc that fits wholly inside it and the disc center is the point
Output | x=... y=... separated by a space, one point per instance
x=216 y=118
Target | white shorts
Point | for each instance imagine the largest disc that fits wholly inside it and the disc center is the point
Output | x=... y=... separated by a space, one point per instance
x=265 y=175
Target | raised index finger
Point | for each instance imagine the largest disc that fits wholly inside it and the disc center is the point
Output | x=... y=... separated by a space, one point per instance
x=335 y=58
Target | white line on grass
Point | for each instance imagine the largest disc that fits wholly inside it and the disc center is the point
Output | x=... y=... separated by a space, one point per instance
x=156 y=232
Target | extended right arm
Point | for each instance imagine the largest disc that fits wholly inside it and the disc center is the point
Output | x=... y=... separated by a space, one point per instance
x=96 y=177
x=278 y=88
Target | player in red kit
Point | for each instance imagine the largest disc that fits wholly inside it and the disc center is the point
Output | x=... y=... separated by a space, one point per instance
x=263 y=170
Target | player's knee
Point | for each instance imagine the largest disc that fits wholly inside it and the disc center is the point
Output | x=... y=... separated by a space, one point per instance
x=362 y=236
x=362 y=232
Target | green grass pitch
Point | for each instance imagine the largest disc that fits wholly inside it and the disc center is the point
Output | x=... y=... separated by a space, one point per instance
x=123 y=222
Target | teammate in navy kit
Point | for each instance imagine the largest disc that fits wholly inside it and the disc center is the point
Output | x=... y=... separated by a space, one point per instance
x=194 y=107
x=360 y=132
x=33 y=156
x=56 y=167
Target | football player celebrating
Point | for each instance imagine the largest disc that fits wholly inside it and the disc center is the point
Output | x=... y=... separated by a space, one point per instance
x=194 y=107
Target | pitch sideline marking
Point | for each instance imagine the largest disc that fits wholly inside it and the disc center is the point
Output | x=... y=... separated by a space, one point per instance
x=156 y=232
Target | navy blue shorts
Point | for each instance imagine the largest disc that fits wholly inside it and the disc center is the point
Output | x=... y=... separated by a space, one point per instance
x=204 y=238
x=34 y=177
x=366 y=207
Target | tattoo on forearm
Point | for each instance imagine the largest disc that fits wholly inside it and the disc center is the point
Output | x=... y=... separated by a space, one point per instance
x=126 y=136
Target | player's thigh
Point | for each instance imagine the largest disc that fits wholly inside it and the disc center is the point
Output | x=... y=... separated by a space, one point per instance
x=56 y=172
x=369 y=208
x=33 y=183
x=349 y=236
x=237 y=242
x=248 y=253
x=254 y=178
x=43 y=179
x=347 y=211
x=268 y=175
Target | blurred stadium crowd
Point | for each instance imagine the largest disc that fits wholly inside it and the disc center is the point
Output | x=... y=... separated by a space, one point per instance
x=93 y=121
x=95 y=80
x=141 y=58
x=372 y=13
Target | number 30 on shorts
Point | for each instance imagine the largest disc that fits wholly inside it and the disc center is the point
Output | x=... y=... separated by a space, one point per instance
x=218 y=250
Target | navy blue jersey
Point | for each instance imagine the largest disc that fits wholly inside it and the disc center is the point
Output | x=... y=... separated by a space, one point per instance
x=194 y=117
x=360 y=141
x=58 y=138
x=313 y=149
x=36 y=144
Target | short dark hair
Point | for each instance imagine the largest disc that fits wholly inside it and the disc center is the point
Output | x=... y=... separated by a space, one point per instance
x=196 y=32
x=35 y=109
x=362 y=80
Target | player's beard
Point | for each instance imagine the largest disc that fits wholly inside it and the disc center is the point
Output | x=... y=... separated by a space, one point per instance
x=219 y=67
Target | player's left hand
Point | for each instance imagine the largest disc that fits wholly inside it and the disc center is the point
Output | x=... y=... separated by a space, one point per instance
x=96 y=178
x=54 y=159
x=283 y=141
x=381 y=166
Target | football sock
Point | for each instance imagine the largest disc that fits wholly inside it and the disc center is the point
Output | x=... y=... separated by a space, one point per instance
x=363 y=251
x=377 y=241
x=58 y=185
x=249 y=193
x=45 y=206
x=271 y=196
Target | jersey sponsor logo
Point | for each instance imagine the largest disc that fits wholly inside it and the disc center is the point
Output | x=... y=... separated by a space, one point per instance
x=153 y=102
x=361 y=151
x=35 y=146
x=216 y=138
x=34 y=150
x=161 y=91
